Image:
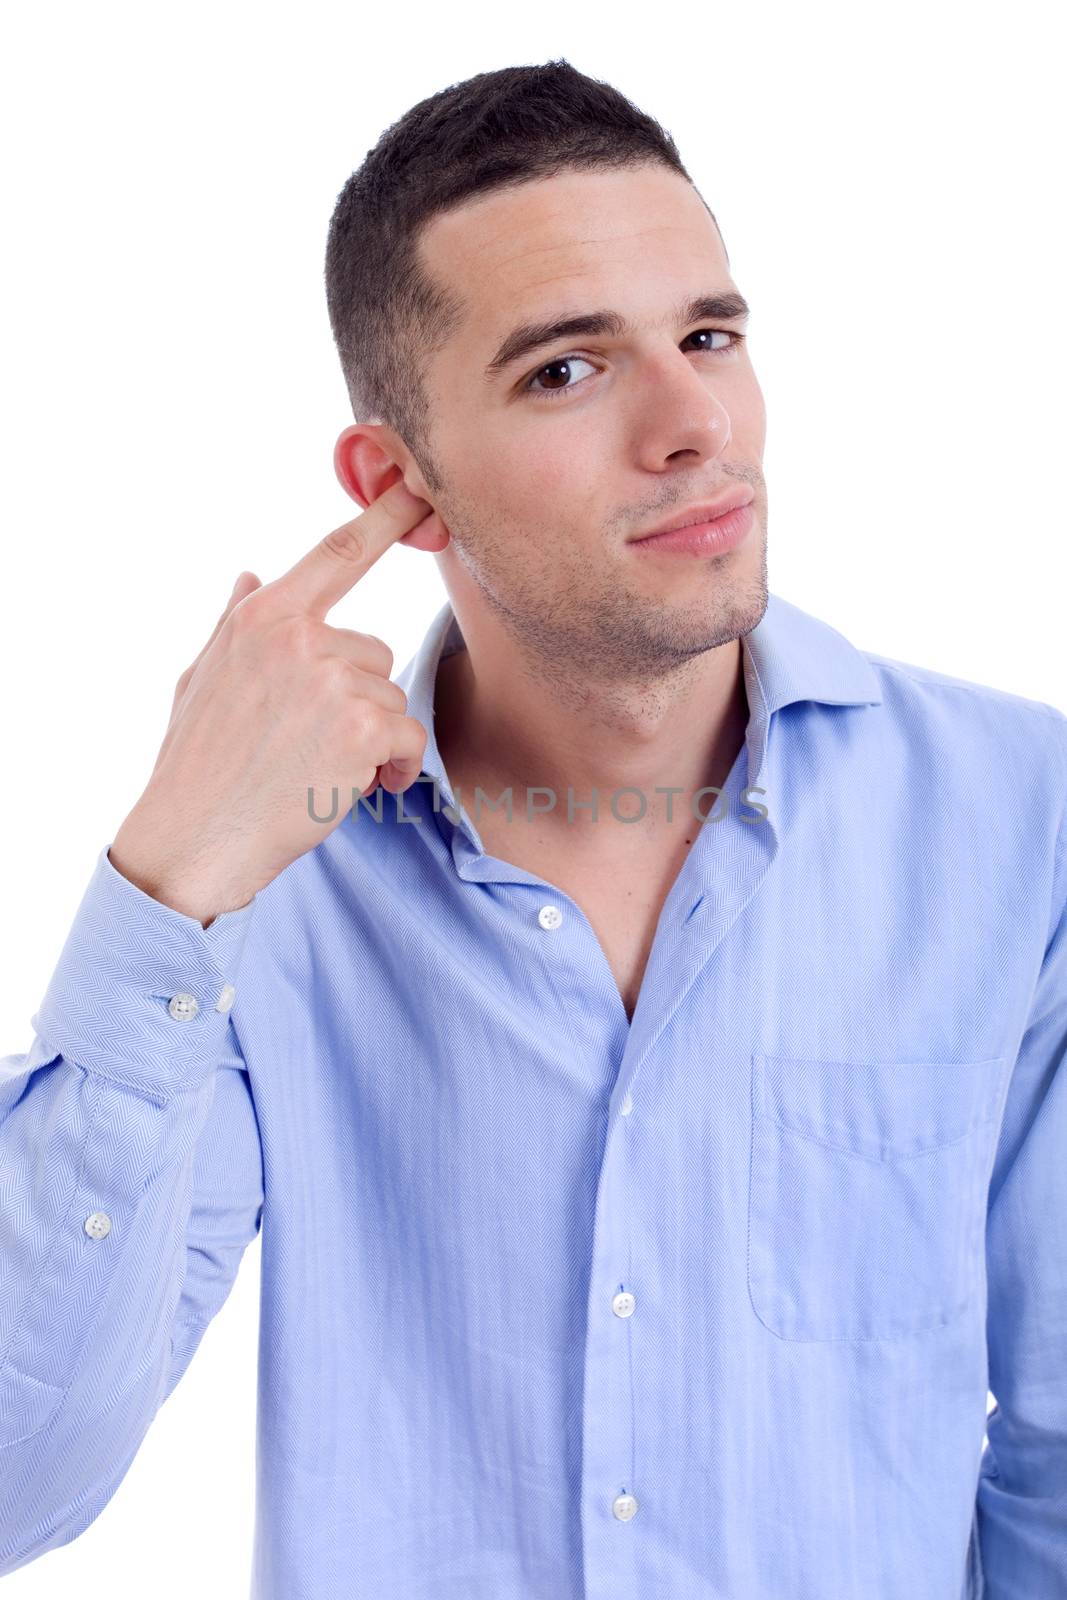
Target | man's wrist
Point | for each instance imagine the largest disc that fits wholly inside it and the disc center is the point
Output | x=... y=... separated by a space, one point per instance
x=183 y=894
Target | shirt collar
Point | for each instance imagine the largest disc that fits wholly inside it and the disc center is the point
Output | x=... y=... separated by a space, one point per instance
x=789 y=655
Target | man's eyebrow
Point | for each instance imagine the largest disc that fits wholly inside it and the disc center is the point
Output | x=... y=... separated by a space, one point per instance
x=530 y=336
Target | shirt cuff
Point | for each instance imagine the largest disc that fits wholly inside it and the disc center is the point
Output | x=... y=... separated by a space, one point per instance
x=142 y=993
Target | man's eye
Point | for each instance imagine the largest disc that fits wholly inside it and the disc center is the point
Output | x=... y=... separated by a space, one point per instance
x=563 y=365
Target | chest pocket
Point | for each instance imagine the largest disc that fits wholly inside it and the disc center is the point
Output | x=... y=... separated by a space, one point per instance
x=867 y=1193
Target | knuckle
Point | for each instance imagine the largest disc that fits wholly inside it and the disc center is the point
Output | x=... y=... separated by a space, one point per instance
x=368 y=721
x=347 y=543
x=337 y=672
x=248 y=614
x=300 y=635
x=383 y=650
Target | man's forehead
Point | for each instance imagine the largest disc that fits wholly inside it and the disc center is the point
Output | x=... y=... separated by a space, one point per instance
x=594 y=254
x=532 y=236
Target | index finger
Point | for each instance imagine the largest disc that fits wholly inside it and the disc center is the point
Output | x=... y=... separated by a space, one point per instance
x=318 y=580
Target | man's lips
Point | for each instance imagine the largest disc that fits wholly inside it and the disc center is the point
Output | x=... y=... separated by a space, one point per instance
x=715 y=536
x=705 y=511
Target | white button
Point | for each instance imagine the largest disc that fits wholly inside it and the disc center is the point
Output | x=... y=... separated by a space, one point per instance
x=183 y=1006
x=98 y=1225
x=550 y=916
x=624 y=1507
x=226 y=998
x=627 y=1104
x=623 y=1305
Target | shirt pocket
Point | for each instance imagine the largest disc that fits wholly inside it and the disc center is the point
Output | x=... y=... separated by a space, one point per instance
x=867 y=1193
x=25 y=1405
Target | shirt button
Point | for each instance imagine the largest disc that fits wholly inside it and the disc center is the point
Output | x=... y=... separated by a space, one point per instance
x=226 y=998
x=624 y=1507
x=183 y=1006
x=627 y=1104
x=623 y=1305
x=98 y=1225
x=550 y=916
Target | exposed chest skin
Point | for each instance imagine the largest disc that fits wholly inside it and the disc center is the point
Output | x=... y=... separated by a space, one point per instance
x=621 y=892
x=619 y=873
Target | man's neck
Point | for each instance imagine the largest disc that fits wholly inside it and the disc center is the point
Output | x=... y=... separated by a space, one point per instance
x=509 y=731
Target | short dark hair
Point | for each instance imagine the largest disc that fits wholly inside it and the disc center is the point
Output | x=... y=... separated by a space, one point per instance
x=495 y=130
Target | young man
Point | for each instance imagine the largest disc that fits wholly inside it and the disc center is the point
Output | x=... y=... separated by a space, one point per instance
x=647 y=1203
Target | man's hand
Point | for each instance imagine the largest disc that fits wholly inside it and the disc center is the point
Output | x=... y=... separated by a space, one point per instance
x=277 y=702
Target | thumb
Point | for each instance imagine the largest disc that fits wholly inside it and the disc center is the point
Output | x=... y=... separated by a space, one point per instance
x=245 y=584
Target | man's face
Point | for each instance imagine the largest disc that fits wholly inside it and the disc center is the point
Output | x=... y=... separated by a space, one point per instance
x=548 y=470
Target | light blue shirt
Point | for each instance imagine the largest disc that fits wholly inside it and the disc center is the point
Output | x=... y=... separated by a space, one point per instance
x=555 y=1305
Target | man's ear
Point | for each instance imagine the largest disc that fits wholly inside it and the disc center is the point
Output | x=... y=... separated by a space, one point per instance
x=366 y=459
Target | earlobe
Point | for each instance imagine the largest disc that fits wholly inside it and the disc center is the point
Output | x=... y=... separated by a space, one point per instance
x=429 y=534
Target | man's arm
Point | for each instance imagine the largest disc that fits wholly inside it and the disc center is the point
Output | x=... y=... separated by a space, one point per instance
x=1022 y=1485
x=131 y=1183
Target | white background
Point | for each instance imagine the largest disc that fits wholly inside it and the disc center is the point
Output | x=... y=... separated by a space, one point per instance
x=887 y=185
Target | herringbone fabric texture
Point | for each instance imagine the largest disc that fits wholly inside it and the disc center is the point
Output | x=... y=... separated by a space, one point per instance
x=556 y=1305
